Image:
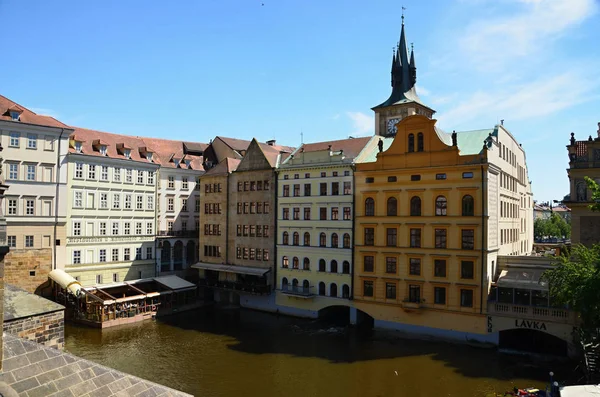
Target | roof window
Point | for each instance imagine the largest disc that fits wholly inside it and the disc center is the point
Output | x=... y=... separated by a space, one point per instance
x=103 y=150
x=127 y=153
x=14 y=115
x=78 y=147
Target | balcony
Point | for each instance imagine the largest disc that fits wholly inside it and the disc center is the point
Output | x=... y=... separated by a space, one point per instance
x=556 y=315
x=297 y=291
x=178 y=233
x=255 y=289
x=410 y=305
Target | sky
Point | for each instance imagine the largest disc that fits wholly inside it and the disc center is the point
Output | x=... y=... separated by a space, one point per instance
x=309 y=70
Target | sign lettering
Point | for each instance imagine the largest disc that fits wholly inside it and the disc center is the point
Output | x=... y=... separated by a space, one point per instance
x=531 y=324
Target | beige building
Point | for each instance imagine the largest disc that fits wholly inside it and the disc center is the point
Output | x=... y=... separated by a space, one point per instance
x=35 y=206
x=112 y=208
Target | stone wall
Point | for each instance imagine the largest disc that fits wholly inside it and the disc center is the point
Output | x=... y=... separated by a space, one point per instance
x=47 y=329
x=28 y=269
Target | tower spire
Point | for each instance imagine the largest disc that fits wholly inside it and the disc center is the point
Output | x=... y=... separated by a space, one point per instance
x=413 y=67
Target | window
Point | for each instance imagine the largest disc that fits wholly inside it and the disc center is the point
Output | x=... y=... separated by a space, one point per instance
x=104 y=173
x=335 y=188
x=334 y=213
x=441 y=206
x=284 y=262
x=467 y=175
x=13 y=171
x=295 y=238
x=170 y=204
x=369 y=236
x=347 y=213
x=286 y=213
x=28 y=241
x=286 y=190
x=440 y=238
x=467 y=270
x=148 y=252
x=116 y=201
x=347 y=188
x=138 y=228
x=196 y=206
x=76 y=228
x=138 y=254
x=368 y=288
x=439 y=295
x=391 y=265
x=91 y=171
x=76 y=257
x=323 y=213
x=127 y=228
x=322 y=240
x=468 y=205
x=415 y=178
x=307 y=189
x=468 y=239
x=103 y=150
x=295 y=263
x=102 y=227
x=415 y=267
x=29 y=207
x=392 y=206
x=115 y=228
x=439 y=268
x=127 y=153
x=171 y=182
x=369 y=180
x=392 y=179
x=126 y=254
x=420 y=142
x=14 y=139
x=334 y=240
x=117 y=174
x=103 y=200
x=440 y=176
x=31 y=172
x=140 y=177
x=115 y=254
x=390 y=290
x=307 y=239
x=411 y=143
x=369 y=264
x=415 y=206
x=391 y=237
x=323 y=174
x=12 y=241
x=466 y=298
x=98 y=279
x=296 y=190
x=184 y=204
x=78 y=200
x=323 y=189
x=150 y=179
x=128 y=175
x=369 y=207
x=184 y=183
x=296 y=214
x=285 y=238
x=415 y=238
x=414 y=293
x=346 y=241
x=102 y=255
x=12 y=207
x=127 y=201
x=150 y=203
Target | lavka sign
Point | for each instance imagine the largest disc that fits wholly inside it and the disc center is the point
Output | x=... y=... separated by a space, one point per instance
x=531 y=324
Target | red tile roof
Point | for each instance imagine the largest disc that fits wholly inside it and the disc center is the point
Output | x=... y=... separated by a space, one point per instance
x=226 y=166
x=167 y=150
x=26 y=116
x=351 y=147
x=242 y=144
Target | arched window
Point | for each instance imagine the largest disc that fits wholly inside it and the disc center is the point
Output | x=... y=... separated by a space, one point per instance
x=346 y=267
x=284 y=283
x=346 y=240
x=334 y=240
x=322 y=288
x=295 y=283
x=392 y=206
x=285 y=262
x=286 y=238
x=306 y=264
x=420 y=142
x=307 y=239
x=333 y=290
x=296 y=238
x=295 y=263
x=441 y=206
x=411 y=142
x=468 y=205
x=322 y=265
x=369 y=207
x=322 y=240
x=415 y=206
x=345 y=291
x=305 y=286
x=178 y=255
x=165 y=257
x=333 y=266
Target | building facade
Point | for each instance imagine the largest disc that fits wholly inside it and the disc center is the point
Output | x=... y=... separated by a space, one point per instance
x=35 y=206
x=315 y=226
x=112 y=208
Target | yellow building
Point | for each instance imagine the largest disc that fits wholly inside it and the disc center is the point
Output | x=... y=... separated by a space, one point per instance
x=315 y=197
x=433 y=211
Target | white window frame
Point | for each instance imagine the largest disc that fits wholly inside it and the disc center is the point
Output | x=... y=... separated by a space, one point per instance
x=126 y=254
x=31 y=172
x=150 y=202
x=13 y=209
x=13 y=171
x=103 y=150
x=102 y=228
x=76 y=257
x=11 y=241
x=15 y=139
x=77 y=228
x=104 y=173
x=91 y=171
x=29 y=206
x=78 y=199
x=149 y=228
x=140 y=177
x=78 y=171
x=138 y=228
x=138 y=254
x=116 y=201
x=103 y=203
x=171 y=204
x=117 y=174
x=102 y=255
x=128 y=175
x=127 y=228
x=115 y=253
x=32 y=141
x=127 y=201
x=115 y=229
x=184 y=206
x=27 y=241
x=170 y=182
x=184 y=183
x=139 y=202
x=149 y=253
x=150 y=178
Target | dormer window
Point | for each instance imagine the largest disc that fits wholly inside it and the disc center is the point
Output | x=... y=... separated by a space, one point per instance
x=103 y=150
x=149 y=156
x=187 y=163
x=78 y=147
x=127 y=153
x=14 y=115
x=176 y=161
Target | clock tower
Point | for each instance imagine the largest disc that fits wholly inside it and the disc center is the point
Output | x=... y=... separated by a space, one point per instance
x=403 y=100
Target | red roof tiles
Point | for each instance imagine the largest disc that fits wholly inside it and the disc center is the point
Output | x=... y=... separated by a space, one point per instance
x=26 y=116
x=351 y=147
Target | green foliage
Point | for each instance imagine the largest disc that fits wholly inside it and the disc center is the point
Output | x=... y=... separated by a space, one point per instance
x=593 y=186
x=575 y=282
x=556 y=226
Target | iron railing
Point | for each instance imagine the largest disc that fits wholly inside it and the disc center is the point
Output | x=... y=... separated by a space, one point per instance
x=257 y=289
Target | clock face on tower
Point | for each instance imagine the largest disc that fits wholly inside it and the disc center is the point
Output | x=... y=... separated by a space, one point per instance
x=391 y=125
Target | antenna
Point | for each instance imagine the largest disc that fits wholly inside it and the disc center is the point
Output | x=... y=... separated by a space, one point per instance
x=301 y=137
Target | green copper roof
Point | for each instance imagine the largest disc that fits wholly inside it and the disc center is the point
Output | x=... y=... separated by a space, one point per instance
x=371 y=157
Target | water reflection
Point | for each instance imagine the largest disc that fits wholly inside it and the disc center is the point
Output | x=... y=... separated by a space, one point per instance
x=246 y=353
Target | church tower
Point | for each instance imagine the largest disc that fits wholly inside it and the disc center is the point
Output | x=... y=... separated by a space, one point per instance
x=403 y=100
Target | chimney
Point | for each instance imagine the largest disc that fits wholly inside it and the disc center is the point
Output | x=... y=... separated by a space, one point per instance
x=271 y=142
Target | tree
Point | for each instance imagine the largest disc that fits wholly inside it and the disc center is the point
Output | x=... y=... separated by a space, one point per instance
x=555 y=226
x=575 y=282
x=595 y=189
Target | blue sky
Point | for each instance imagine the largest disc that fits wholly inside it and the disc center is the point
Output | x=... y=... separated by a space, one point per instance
x=196 y=69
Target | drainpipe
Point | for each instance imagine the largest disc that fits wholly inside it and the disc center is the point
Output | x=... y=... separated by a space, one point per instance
x=57 y=196
x=483 y=234
x=353 y=235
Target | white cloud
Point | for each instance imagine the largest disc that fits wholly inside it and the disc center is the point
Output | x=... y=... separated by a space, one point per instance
x=362 y=123
x=489 y=41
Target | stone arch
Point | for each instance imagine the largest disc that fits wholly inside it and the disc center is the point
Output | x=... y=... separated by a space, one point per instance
x=165 y=256
x=178 y=255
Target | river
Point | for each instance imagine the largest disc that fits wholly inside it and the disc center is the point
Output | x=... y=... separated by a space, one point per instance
x=236 y=353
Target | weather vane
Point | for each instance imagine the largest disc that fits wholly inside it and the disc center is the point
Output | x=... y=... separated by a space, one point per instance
x=403 y=8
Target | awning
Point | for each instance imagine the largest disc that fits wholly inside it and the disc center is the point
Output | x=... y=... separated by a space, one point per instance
x=524 y=278
x=253 y=271
x=175 y=283
x=66 y=281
